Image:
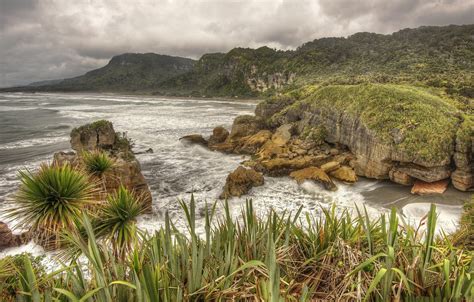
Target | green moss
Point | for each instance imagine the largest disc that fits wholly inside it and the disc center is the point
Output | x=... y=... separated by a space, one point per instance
x=465 y=132
x=425 y=123
x=93 y=126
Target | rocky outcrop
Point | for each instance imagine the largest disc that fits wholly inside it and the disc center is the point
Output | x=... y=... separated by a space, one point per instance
x=345 y=174
x=126 y=169
x=8 y=239
x=219 y=135
x=316 y=174
x=426 y=188
x=254 y=142
x=245 y=125
x=240 y=181
x=263 y=82
x=97 y=135
x=278 y=152
x=400 y=177
x=195 y=139
x=402 y=153
x=463 y=176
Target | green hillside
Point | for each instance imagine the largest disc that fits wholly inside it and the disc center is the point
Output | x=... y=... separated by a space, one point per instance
x=441 y=57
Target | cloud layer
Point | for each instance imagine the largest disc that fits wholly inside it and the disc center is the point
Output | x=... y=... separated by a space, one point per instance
x=49 y=39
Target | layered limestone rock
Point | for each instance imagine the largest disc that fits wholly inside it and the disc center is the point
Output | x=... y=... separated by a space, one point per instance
x=386 y=145
x=126 y=169
x=97 y=135
x=261 y=82
x=345 y=174
x=240 y=181
x=278 y=153
x=8 y=239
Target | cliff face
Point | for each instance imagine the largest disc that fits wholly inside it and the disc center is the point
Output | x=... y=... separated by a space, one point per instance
x=240 y=72
x=441 y=57
x=395 y=132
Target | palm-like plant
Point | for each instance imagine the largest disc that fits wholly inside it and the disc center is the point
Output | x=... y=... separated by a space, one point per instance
x=50 y=200
x=117 y=220
x=97 y=163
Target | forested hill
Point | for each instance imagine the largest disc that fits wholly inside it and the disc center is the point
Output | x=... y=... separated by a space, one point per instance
x=428 y=56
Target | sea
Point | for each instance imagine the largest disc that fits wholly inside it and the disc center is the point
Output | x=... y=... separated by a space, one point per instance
x=33 y=126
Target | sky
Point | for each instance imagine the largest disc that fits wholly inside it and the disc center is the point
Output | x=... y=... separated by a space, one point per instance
x=54 y=39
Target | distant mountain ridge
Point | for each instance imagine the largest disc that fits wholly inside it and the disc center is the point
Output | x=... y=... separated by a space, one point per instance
x=430 y=56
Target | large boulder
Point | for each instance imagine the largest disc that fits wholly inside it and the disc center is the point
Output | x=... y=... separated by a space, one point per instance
x=240 y=181
x=282 y=135
x=252 y=144
x=345 y=174
x=426 y=188
x=315 y=174
x=219 y=135
x=96 y=135
x=194 y=139
x=245 y=125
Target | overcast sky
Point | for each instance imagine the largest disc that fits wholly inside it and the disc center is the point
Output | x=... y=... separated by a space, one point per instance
x=50 y=39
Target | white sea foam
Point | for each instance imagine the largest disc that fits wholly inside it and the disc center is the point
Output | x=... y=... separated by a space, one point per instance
x=174 y=170
x=32 y=142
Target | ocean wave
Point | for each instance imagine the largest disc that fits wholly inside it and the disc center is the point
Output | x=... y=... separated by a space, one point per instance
x=32 y=142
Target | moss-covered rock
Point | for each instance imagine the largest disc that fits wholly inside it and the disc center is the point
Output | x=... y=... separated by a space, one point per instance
x=386 y=126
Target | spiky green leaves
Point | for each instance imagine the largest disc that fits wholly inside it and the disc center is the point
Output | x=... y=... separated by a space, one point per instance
x=97 y=163
x=51 y=199
x=117 y=221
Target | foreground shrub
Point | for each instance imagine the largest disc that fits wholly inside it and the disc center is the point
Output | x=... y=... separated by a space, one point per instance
x=330 y=257
x=51 y=200
x=117 y=220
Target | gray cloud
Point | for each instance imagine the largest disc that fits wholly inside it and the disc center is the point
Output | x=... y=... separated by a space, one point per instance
x=51 y=39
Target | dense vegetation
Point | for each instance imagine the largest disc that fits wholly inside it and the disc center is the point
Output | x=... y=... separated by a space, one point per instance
x=440 y=57
x=278 y=258
x=125 y=73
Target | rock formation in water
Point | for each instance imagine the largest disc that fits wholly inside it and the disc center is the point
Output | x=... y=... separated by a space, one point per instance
x=406 y=134
x=395 y=132
x=240 y=181
x=8 y=239
x=101 y=136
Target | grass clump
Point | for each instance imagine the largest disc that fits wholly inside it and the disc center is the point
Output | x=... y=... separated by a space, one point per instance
x=117 y=220
x=51 y=200
x=97 y=163
x=99 y=124
x=300 y=257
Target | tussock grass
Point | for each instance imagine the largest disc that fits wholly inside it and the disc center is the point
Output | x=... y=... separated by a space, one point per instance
x=50 y=200
x=97 y=163
x=271 y=258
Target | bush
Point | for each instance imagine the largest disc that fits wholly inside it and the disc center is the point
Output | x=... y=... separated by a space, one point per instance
x=51 y=200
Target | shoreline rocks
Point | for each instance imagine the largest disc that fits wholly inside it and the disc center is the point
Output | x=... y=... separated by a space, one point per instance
x=240 y=181
x=126 y=171
x=8 y=239
x=404 y=134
